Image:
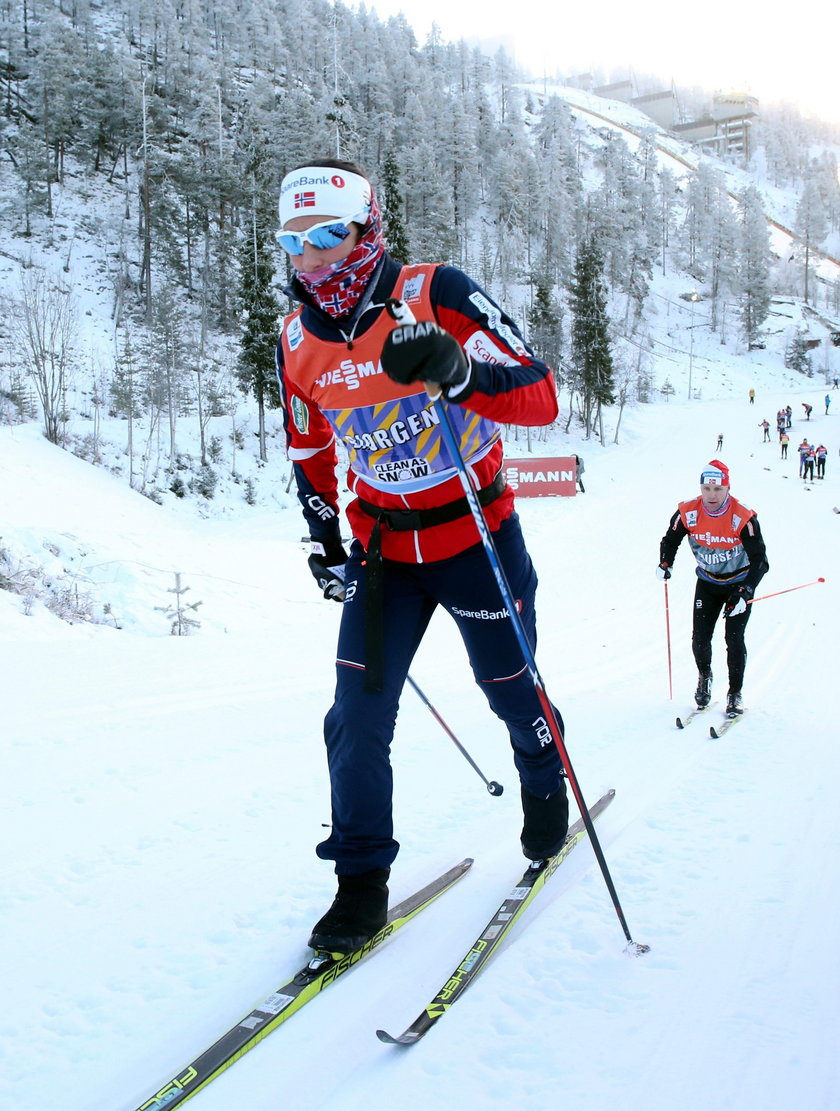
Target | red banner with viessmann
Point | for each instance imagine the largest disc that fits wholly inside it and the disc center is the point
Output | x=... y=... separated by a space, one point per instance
x=540 y=478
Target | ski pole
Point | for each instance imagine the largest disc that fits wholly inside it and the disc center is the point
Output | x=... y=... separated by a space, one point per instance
x=492 y=785
x=668 y=639
x=776 y=593
x=509 y=602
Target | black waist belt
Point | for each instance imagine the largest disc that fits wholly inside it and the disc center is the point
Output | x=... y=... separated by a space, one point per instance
x=413 y=520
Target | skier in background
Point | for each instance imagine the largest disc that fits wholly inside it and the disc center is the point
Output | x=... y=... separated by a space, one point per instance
x=416 y=544
x=827 y=403
x=807 y=409
x=579 y=469
x=784 y=440
x=821 y=455
x=765 y=424
x=808 y=461
x=726 y=542
x=803 y=450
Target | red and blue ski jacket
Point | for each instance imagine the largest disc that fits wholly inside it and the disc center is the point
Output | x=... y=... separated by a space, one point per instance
x=337 y=399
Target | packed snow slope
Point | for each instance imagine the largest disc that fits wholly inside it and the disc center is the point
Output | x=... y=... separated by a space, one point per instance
x=163 y=795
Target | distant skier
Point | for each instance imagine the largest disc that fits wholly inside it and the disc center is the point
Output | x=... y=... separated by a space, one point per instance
x=752 y=397
x=579 y=469
x=720 y=441
x=802 y=449
x=821 y=455
x=765 y=424
x=726 y=541
x=807 y=409
x=827 y=403
x=808 y=463
x=784 y=440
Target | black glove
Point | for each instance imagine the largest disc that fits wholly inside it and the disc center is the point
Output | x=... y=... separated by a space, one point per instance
x=327 y=565
x=424 y=352
x=663 y=571
x=737 y=601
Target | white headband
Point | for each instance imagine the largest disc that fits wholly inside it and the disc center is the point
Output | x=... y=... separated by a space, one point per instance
x=322 y=191
x=714 y=477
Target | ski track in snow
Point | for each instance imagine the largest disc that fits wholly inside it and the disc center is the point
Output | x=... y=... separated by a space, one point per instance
x=163 y=797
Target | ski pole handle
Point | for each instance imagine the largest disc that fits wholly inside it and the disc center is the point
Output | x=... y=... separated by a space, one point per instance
x=402 y=314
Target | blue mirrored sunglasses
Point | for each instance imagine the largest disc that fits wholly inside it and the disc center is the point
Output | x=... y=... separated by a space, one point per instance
x=322 y=236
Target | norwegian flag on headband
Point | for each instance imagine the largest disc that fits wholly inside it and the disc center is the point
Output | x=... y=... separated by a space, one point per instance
x=305 y=200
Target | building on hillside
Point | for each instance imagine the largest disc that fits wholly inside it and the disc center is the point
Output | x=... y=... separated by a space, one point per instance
x=662 y=107
x=619 y=90
x=724 y=131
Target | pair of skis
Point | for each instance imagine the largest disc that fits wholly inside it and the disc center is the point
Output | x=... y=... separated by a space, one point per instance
x=715 y=732
x=325 y=969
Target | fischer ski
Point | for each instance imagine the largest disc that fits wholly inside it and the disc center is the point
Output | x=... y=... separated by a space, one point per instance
x=717 y=732
x=681 y=723
x=323 y=970
x=496 y=930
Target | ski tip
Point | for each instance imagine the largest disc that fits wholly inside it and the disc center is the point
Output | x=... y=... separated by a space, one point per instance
x=389 y=1039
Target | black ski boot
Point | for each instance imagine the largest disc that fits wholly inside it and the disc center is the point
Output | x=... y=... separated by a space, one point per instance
x=703 y=694
x=546 y=823
x=359 y=910
x=734 y=704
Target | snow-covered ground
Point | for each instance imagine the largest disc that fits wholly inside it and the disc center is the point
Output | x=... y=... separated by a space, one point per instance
x=162 y=797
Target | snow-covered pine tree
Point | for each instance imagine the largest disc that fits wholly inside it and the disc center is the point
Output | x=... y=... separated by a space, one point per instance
x=258 y=303
x=391 y=201
x=591 y=349
x=753 y=265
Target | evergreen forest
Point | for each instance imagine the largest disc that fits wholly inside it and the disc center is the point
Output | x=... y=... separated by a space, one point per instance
x=141 y=147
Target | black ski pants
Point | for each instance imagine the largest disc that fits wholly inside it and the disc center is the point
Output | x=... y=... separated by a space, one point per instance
x=709 y=600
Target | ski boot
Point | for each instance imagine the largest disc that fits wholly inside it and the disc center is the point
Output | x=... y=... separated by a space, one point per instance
x=546 y=823
x=734 y=704
x=703 y=694
x=359 y=910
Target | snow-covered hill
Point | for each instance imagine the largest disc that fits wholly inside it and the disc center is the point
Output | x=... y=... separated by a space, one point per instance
x=163 y=796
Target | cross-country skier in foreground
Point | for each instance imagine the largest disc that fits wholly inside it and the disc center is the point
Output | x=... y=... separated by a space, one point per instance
x=416 y=546
x=726 y=541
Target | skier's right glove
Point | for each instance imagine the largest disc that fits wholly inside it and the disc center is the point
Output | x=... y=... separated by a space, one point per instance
x=663 y=571
x=327 y=566
x=424 y=352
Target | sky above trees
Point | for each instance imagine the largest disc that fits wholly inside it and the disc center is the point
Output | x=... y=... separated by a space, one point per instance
x=718 y=46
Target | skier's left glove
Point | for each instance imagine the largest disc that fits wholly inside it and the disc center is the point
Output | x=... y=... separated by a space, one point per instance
x=737 y=601
x=327 y=566
x=425 y=352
